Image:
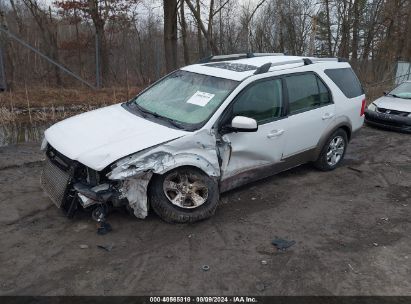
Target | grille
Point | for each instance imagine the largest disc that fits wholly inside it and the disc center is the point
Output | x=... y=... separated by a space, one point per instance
x=54 y=182
x=393 y=112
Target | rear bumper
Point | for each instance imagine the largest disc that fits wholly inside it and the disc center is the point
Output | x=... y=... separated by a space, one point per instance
x=388 y=121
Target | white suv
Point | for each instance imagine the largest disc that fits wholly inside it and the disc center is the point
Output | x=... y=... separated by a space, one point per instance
x=202 y=130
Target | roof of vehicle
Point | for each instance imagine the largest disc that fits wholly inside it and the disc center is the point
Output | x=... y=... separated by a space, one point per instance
x=239 y=69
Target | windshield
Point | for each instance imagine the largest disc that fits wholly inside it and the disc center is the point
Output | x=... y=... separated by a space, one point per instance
x=402 y=91
x=185 y=97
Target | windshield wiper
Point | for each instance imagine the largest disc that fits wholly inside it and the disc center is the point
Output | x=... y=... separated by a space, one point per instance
x=144 y=112
x=393 y=95
x=173 y=122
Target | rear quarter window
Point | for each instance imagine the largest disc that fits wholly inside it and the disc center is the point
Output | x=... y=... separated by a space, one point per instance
x=346 y=81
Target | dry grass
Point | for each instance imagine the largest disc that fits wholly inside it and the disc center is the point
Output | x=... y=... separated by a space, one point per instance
x=39 y=104
x=7 y=116
x=47 y=97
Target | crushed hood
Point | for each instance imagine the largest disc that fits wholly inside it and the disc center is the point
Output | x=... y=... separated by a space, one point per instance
x=394 y=103
x=100 y=137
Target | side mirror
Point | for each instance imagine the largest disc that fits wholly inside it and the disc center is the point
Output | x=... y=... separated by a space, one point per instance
x=385 y=93
x=244 y=124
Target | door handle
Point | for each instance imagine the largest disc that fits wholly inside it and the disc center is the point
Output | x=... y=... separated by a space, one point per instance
x=275 y=133
x=328 y=116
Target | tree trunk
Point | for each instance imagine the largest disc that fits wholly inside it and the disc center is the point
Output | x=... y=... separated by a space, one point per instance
x=200 y=24
x=354 y=42
x=170 y=34
x=407 y=51
x=199 y=35
x=210 y=30
x=345 y=31
x=102 y=53
x=184 y=34
x=99 y=23
x=329 y=35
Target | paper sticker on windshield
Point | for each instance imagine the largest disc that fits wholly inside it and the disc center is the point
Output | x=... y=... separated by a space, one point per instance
x=200 y=98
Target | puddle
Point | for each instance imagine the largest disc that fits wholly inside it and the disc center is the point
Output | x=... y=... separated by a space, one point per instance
x=21 y=132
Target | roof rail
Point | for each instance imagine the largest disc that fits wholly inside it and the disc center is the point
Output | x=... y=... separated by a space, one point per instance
x=266 y=67
x=217 y=58
x=266 y=54
x=307 y=61
x=316 y=59
x=263 y=69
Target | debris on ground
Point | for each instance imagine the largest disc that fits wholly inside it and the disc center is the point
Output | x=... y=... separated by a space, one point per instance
x=260 y=286
x=264 y=262
x=108 y=247
x=282 y=244
x=355 y=169
x=104 y=228
x=375 y=244
x=352 y=269
x=81 y=226
x=84 y=246
x=205 y=268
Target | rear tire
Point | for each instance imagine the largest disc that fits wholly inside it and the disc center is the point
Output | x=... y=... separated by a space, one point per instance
x=333 y=151
x=184 y=195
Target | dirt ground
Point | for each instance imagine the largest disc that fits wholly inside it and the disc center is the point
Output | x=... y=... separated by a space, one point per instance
x=351 y=227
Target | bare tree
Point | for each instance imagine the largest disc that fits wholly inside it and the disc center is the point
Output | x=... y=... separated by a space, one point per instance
x=48 y=30
x=170 y=34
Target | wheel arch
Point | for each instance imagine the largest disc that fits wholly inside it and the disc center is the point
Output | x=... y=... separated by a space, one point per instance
x=344 y=124
x=190 y=160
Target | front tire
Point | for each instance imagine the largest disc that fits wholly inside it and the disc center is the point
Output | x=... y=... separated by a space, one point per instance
x=184 y=195
x=333 y=151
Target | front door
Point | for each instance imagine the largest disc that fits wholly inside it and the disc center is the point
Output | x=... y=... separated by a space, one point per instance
x=262 y=101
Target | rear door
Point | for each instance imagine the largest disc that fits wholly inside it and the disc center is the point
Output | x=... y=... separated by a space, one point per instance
x=310 y=111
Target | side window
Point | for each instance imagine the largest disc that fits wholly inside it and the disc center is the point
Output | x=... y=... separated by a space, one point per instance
x=346 y=80
x=306 y=92
x=261 y=101
x=325 y=97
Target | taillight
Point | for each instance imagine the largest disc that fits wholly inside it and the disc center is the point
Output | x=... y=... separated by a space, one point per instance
x=364 y=103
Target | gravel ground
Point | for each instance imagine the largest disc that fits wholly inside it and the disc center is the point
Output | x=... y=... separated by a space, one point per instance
x=351 y=228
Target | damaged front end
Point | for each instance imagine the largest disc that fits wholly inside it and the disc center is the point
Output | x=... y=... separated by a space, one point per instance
x=71 y=184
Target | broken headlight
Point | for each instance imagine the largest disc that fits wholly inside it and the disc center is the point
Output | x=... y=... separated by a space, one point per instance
x=43 y=144
x=372 y=107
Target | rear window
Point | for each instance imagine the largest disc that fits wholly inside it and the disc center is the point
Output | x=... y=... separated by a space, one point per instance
x=347 y=81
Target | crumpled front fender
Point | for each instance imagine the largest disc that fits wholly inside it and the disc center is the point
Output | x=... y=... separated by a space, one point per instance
x=197 y=150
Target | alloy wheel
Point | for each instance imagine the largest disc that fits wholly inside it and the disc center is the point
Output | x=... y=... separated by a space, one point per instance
x=185 y=190
x=335 y=151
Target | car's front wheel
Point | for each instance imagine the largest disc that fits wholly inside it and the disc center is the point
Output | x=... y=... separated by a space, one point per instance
x=184 y=195
x=333 y=151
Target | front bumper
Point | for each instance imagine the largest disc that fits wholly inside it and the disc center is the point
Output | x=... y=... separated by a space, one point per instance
x=67 y=183
x=388 y=121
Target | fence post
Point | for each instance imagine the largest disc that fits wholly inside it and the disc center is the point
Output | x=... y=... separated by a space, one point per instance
x=98 y=82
